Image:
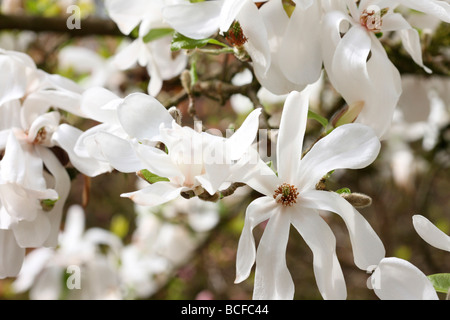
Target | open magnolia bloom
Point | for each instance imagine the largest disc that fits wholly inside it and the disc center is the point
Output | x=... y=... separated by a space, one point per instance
x=195 y=161
x=33 y=181
x=356 y=62
x=290 y=197
x=155 y=53
x=397 y=279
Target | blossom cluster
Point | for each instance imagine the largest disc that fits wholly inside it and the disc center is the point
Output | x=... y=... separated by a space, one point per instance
x=287 y=47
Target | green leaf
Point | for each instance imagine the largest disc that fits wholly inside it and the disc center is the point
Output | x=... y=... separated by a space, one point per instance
x=343 y=190
x=440 y=281
x=323 y=121
x=150 y=177
x=180 y=41
x=155 y=34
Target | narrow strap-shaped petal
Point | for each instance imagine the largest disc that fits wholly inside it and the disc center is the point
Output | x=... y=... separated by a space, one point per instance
x=154 y=194
x=430 y=233
x=31 y=234
x=257 y=211
x=439 y=9
x=368 y=250
x=398 y=279
x=350 y=146
x=273 y=280
x=62 y=187
x=291 y=134
x=322 y=242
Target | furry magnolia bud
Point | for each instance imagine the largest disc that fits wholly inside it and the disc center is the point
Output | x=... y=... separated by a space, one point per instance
x=357 y=200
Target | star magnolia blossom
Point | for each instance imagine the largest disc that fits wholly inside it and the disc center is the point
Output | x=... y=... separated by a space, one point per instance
x=155 y=55
x=33 y=182
x=291 y=198
x=397 y=279
x=358 y=60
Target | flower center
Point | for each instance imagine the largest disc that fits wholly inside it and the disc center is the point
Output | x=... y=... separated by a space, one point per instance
x=235 y=35
x=372 y=19
x=286 y=194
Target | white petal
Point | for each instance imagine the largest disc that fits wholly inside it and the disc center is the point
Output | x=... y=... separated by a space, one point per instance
x=240 y=141
x=13 y=80
x=368 y=250
x=31 y=234
x=128 y=56
x=100 y=105
x=48 y=284
x=257 y=211
x=319 y=238
x=154 y=194
x=74 y=226
x=430 y=233
x=255 y=173
x=66 y=137
x=273 y=280
x=439 y=9
x=157 y=161
x=300 y=48
x=229 y=12
x=397 y=279
x=124 y=161
x=127 y=15
x=62 y=187
x=350 y=146
x=194 y=20
x=141 y=116
x=291 y=134
x=11 y=255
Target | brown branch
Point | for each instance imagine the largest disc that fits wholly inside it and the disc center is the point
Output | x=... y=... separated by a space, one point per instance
x=89 y=26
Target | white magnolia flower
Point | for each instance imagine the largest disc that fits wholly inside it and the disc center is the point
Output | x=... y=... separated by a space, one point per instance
x=397 y=279
x=197 y=161
x=155 y=55
x=78 y=251
x=290 y=197
x=357 y=63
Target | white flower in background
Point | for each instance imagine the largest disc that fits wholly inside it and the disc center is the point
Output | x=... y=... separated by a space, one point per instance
x=99 y=72
x=356 y=62
x=155 y=55
x=397 y=279
x=47 y=273
x=165 y=237
x=290 y=197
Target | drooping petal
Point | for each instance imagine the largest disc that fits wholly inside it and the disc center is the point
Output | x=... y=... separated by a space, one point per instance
x=319 y=238
x=195 y=20
x=100 y=105
x=74 y=227
x=291 y=134
x=300 y=50
x=62 y=186
x=398 y=279
x=48 y=284
x=127 y=15
x=368 y=250
x=141 y=116
x=13 y=80
x=11 y=255
x=430 y=233
x=66 y=137
x=350 y=146
x=409 y=35
x=257 y=211
x=273 y=280
x=154 y=194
